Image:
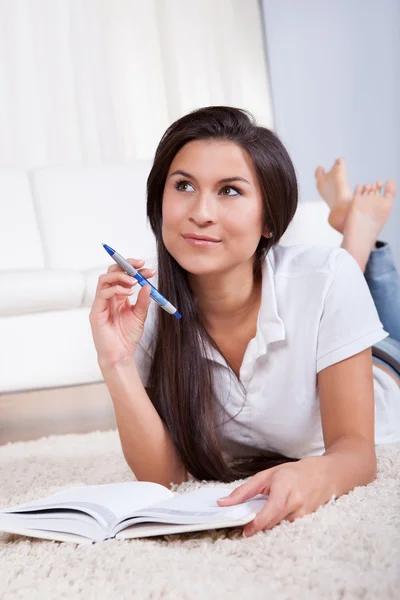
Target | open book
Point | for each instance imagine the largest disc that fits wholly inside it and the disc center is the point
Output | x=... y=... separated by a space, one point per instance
x=94 y=513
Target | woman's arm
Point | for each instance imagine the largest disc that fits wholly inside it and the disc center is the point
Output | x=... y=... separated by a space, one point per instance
x=145 y=441
x=297 y=489
x=346 y=394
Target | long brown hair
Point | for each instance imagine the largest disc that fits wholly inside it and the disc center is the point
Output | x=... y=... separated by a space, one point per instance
x=180 y=377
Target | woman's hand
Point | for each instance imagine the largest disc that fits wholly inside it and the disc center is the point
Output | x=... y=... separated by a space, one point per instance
x=295 y=489
x=117 y=325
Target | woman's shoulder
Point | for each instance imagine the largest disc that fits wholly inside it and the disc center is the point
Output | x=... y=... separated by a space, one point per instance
x=300 y=260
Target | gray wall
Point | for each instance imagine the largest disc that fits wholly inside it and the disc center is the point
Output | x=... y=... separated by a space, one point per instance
x=335 y=77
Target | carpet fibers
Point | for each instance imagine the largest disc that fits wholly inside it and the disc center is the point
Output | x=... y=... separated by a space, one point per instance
x=349 y=548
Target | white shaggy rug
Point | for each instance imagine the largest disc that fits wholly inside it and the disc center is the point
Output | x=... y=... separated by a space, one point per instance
x=349 y=548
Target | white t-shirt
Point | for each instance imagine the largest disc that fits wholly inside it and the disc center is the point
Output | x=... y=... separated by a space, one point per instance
x=316 y=310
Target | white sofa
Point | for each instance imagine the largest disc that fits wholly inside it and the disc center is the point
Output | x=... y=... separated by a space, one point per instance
x=52 y=223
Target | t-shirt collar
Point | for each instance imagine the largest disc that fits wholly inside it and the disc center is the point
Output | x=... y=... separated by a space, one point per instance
x=270 y=327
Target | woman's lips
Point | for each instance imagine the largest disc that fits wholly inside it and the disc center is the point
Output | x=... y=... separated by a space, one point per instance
x=201 y=243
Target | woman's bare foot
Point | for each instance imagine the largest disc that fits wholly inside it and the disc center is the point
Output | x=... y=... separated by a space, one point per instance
x=335 y=190
x=367 y=214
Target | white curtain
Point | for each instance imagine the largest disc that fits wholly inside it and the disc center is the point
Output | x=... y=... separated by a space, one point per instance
x=85 y=81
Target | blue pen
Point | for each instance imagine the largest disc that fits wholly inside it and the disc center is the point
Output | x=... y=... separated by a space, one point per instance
x=154 y=293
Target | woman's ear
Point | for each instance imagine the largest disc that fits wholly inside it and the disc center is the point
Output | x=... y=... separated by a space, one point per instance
x=268 y=234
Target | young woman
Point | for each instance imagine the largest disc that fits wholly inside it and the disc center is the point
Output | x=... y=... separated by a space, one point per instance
x=269 y=372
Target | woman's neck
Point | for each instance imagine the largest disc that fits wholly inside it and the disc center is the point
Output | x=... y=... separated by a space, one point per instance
x=226 y=302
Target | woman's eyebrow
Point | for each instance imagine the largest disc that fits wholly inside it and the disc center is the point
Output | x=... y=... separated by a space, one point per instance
x=225 y=180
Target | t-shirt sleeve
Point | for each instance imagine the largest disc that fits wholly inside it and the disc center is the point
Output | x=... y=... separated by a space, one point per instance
x=349 y=323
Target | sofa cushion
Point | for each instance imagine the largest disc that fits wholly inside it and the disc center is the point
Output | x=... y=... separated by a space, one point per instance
x=29 y=291
x=20 y=243
x=310 y=226
x=78 y=208
x=47 y=349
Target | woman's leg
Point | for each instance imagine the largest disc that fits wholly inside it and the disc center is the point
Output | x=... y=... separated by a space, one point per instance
x=360 y=218
x=383 y=281
x=384 y=284
x=368 y=212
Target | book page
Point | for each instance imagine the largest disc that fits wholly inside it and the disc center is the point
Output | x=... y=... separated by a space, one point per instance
x=152 y=529
x=47 y=535
x=199 y=506
x=54 y=522
x=108 y=502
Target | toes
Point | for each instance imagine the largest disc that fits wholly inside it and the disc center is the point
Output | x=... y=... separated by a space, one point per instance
x=379 y=185
x=319 y=171
x=368 y=189
x=390 y=188
x=358 y=189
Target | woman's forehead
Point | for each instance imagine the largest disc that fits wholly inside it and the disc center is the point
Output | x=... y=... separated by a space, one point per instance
x=213 y=159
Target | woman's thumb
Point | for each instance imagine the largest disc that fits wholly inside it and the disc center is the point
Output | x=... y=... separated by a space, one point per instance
x=142 y=303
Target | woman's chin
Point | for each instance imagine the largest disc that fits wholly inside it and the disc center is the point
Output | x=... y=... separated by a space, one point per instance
x=197 y=265
x=194 y=260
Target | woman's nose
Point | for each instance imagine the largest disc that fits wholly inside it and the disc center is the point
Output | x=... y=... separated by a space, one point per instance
x=203 y=210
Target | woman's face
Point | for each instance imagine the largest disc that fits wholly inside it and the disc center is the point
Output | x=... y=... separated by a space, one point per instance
x=212 y=190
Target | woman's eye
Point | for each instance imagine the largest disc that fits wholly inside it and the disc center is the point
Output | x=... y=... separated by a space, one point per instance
x=227 y=189
x=185 y=186
x=182 y=186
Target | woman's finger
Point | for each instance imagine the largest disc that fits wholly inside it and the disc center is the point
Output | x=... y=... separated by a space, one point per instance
x=103 y=294
x=145 y=272
x=138 y=263
x=121 y=276
x=107 y=279
x=111 y=279
x=115 y=290
x=296 y=514
x=273 y=512
x=247 y=490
